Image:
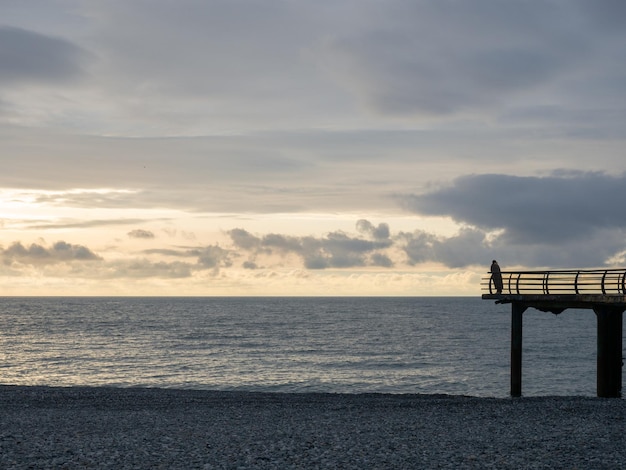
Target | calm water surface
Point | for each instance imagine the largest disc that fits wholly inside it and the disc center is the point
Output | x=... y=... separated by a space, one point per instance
x=349 y=345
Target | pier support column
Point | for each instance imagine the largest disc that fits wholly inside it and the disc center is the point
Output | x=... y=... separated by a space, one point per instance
x=517 y=309
x=609 y=374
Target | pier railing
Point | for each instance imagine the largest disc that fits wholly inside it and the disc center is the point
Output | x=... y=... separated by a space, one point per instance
x=592 y=281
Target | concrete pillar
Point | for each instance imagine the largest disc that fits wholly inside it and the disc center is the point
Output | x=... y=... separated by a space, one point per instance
x=517 y=310
x=609 y=373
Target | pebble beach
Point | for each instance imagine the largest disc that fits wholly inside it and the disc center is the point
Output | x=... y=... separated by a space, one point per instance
x=148 y=428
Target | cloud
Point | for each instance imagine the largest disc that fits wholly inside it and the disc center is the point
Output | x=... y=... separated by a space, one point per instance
x=381 y=260
x=530 y=209
x=215 y=111
x=606 y=14
x=243 y=239
x=165 y=252
x=444 y=57
x=567 y=219
x=335 y=250
x=52 y=261
x=212 y=47
x=114 y=198
x=230 y=62
x=144 y=269
x=36 y=254
x=139 y=233
x=235 y=66
x=379 y=233
x=208 y=259
x=469 y=247
x=211 y=257
x=83 y=224
x=27 y=56
x=472 y=247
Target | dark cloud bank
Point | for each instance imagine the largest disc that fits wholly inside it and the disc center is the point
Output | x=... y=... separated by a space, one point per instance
x=566 y=219
x=531 y=209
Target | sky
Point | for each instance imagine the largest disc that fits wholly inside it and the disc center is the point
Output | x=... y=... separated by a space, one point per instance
x=290 y=147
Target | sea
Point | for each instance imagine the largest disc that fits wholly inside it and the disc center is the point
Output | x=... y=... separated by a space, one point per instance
x=399 y=345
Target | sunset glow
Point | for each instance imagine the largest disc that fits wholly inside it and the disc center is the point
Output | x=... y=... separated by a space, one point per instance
x=305 y=148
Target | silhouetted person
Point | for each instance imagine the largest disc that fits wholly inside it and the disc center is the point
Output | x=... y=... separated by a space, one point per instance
x=496 y=276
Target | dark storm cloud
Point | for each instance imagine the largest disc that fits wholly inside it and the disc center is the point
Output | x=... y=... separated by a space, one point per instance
x=38 y=254
x=531 y=209
x=27 y=56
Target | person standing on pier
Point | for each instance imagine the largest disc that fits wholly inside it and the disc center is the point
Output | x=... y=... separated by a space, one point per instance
x=496 y=276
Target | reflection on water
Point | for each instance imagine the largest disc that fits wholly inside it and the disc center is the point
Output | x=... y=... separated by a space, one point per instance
x=396 y=345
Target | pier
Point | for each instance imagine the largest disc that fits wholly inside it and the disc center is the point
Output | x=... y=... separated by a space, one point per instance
x=600 y=290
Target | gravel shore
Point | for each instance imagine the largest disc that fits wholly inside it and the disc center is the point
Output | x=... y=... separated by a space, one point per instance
x=71 y=428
